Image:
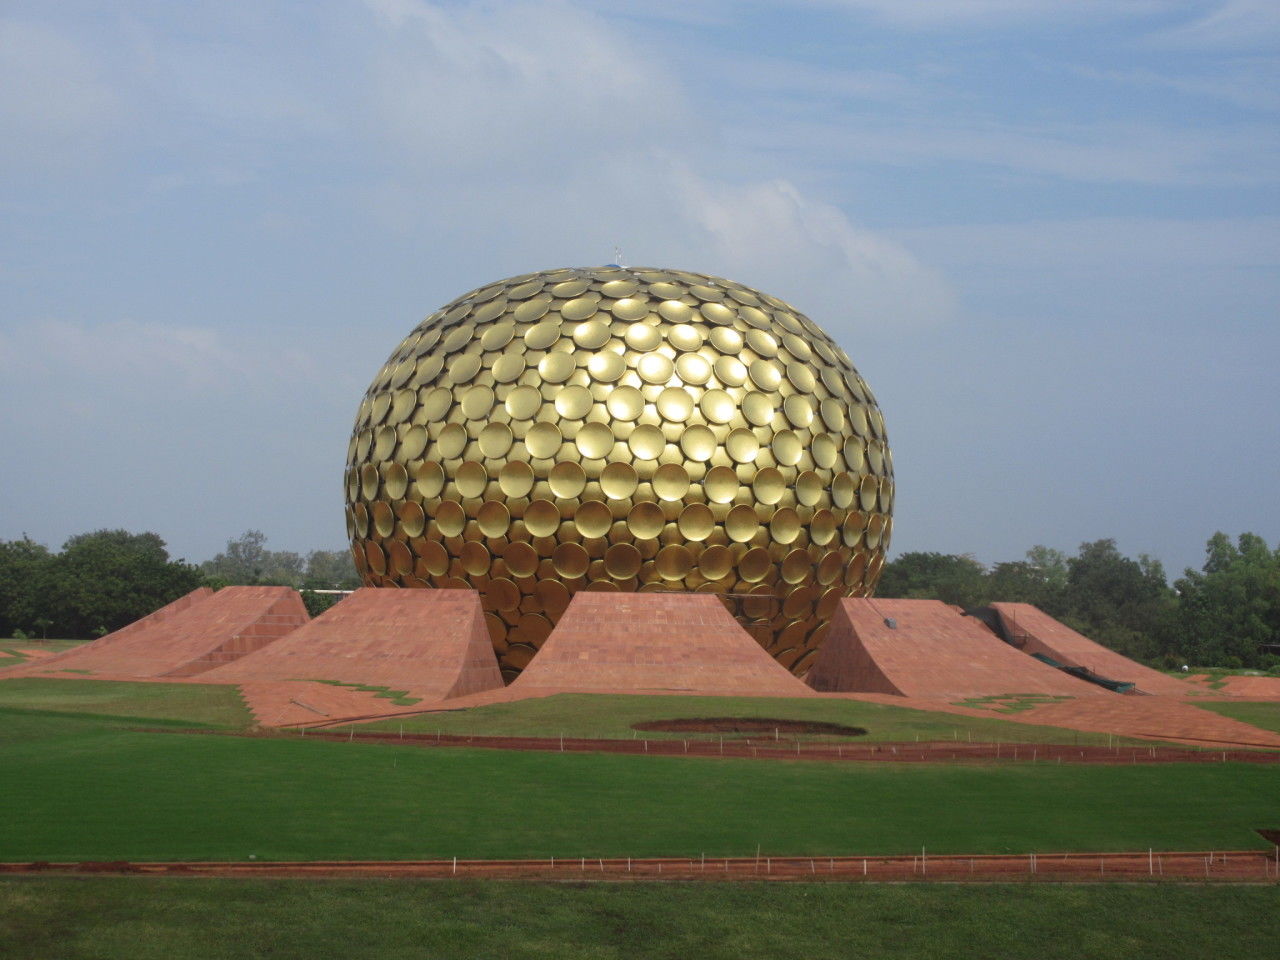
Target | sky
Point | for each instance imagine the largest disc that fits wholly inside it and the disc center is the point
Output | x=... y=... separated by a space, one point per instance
x=1046 y=233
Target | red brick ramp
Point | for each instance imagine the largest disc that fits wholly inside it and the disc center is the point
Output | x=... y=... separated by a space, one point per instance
x=432 y=643
x=1034 y=631
x=653 y=643
x=931 y=652
x=190 y=636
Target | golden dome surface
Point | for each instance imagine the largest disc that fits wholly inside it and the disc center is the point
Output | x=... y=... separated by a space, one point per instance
x=612 y=428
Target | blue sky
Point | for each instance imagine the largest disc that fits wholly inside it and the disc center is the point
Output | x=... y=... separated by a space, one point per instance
x=1047 y=233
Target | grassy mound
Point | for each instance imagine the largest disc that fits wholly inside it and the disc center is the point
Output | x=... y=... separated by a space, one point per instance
x=614 y=717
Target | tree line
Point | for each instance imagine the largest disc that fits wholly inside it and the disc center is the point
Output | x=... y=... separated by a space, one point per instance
x=101 y=581
x=1226 y=614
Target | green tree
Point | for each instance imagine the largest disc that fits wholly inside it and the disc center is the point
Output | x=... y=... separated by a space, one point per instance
x=1118 y=601
x=1040 y=579
x=1231 y=606
x=26 y=570
x=960 y=580
x=109 y=578
x=331 y=570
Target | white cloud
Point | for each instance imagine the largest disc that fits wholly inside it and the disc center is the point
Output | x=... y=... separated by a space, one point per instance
x=514 y=85
x=931 y=14
x=54 y=104
x=801 y=247
x=55 y=360
x=1232 y=24
x=1241 y=154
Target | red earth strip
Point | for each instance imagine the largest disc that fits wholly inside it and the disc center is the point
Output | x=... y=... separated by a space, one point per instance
x=1235 y=866
x=783 y=749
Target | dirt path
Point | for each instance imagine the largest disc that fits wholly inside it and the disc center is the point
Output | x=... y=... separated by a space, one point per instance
x=1236 y=866
x=783 y=749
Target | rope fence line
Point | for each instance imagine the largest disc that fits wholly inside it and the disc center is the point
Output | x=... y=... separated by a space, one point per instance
x=1149 y=866
x=773 y=748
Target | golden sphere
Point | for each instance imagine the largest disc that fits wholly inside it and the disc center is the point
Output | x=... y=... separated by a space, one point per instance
x=621 y=428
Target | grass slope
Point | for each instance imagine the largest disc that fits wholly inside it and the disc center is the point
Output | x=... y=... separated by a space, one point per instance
x=611 y=717
x=113 y=919
x=84 y=789
x=1260 y=713
x=158 y=703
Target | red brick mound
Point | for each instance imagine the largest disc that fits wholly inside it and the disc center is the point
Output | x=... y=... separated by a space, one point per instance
x=189 y=636
x=926 y=649
x=432 y=643
x=1034 y=631
x=653 y=643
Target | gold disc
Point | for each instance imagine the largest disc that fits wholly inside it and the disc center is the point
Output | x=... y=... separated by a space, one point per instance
x=618 y=481
x=809 y=488
x=570 y=560
x=673 y=562
x=741 y=523
x=516 y=478
x=521 y=559
x=716 y=562
x=721 y=484
x=493 y=519
x=523 y=402
x=594 y=440
x=698 y=443
x=769 y=486
x=450 y=519
x=593 y=518
x=696 y=522
x=495 y=440
x=567 y=479
x=646 y=520
x=543 y=440
x=471 y=479
x=784 y=526
x=622 y=560
x=671 y=482
x=475 y=558
x=646 y=442
x=541 y=518
x=625 y=403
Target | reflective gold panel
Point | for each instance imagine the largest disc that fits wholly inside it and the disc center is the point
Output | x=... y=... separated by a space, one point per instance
x=620 y=428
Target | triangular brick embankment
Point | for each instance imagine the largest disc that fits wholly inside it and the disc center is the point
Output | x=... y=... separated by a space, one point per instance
x=114 y=639
x=1034 y=631
x=189 y=639
x=931 y=651
x=653 y=643
x=432 y=643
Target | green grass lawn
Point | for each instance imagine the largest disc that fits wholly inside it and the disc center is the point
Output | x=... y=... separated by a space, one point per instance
x=1260 y=713
x=149 y=919
x=11 y=655
x=83 y=788
x=612 y=717
x=183 y=704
